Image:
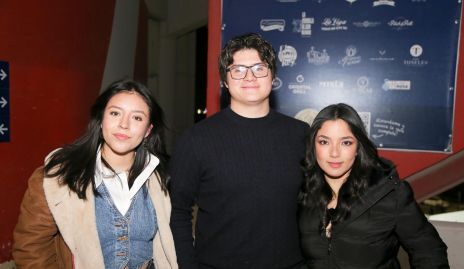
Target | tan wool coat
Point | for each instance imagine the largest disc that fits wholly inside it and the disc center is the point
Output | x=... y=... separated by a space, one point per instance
x=57 y=230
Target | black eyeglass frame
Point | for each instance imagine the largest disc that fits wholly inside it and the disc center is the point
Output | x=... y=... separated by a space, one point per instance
x=248 y=67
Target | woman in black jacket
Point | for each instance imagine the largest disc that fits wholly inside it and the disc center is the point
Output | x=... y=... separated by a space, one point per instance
x=355 y=211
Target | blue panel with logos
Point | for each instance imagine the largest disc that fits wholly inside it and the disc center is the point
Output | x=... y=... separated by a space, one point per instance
x=394 y=61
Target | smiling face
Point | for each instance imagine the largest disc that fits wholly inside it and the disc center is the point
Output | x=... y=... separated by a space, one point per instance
x=336 y=149
x=126 y=121
x=249 y=92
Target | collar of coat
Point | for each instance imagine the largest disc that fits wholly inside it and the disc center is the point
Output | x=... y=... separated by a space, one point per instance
x=76 y=221
x=387 y=179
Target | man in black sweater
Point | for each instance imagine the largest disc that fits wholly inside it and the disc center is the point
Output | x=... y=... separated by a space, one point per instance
x=241 y=167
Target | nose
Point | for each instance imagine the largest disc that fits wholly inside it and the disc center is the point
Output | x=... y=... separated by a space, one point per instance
x=334 y=150
x=249 y=76
x=124 y=122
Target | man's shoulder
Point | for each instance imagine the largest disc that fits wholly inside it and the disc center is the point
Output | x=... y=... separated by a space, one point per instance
x=212 y=122
x=205 y=128
x=287 y=120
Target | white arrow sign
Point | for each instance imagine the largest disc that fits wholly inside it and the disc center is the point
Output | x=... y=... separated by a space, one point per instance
x=2 y=129
x=2 y=74
x=3 y=102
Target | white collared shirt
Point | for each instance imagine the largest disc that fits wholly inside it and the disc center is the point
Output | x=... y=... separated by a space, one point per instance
x=117 y=184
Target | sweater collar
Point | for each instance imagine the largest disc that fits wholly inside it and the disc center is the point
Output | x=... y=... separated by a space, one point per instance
x=233 y=116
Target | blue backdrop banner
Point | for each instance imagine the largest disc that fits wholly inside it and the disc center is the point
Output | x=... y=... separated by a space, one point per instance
x=393 y=61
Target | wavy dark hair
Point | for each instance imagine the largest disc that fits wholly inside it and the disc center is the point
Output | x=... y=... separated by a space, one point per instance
x=247 y=41
x=74 y=164
x=315 y=191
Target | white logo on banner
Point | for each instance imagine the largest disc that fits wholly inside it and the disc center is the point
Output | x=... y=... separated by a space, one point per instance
x=383 y=3
x=307 y=115
x=299 y=87
x=316 y=57
x=331 y=84
x=366 y=24
x=276 y=83
x=402 y=85
x=351 y=1
x=416 y=51
x=363 y=85
x=382 y=57
x=350 y=57
x=400 y=23
x=306 y=23
x=334 y=24
x=303 y=25
x=287 y=55
x=272 y=24
x=366 y=119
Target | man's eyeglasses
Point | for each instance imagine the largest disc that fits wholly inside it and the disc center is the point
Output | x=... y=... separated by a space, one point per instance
x=240 y=71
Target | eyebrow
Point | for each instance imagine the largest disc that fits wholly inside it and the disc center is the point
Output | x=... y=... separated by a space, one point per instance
x=344 y=137
x=247 y=65
x=133 y=111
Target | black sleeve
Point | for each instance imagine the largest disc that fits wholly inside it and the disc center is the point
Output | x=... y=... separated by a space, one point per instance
x=416 y=234
x=184 y=170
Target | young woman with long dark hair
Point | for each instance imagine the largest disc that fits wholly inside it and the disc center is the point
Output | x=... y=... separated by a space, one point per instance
x=102 y=201
x=355 y=211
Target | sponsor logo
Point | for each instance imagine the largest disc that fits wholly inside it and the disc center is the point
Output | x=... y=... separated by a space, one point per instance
x=362 y=84
x=351 y=1
x=382 y=57
x=402 y=85
x=334 y=24
x=287 y=55
x=299 y=87
x=317 y=57
x=400 y=23
x=331 y=84
x=366 y=24
x=303 y=25
x=350 y=57
x=366 y=119
x=383 y=3
x=416 y=51
x=307 y=115
x=276 y=83
x=306 y=24
x=272 y=24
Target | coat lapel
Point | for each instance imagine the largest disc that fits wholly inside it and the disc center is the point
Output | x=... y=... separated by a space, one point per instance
x=76 y=222
x=369 y=199
x=163 y=245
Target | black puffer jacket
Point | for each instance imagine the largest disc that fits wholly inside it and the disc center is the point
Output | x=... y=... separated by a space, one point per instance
x=371 y=236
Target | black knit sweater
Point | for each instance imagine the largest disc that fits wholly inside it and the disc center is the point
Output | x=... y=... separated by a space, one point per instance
x=244 y=174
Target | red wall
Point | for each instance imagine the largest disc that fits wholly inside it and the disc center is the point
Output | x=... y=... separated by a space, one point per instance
x=57 y=52
x=407 y=162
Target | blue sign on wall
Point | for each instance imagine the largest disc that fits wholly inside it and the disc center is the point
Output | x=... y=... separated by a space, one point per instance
x=394 y=61
x=4 y=102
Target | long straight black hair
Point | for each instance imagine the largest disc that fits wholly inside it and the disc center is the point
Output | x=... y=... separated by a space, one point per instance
x=315 y=191
x=74 y=164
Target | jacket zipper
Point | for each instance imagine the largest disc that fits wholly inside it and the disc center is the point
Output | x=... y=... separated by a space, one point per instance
x=329 y=246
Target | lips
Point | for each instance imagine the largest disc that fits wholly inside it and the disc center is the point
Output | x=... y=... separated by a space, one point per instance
x=250 y=87
x=335 y=164
x=121 y=136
